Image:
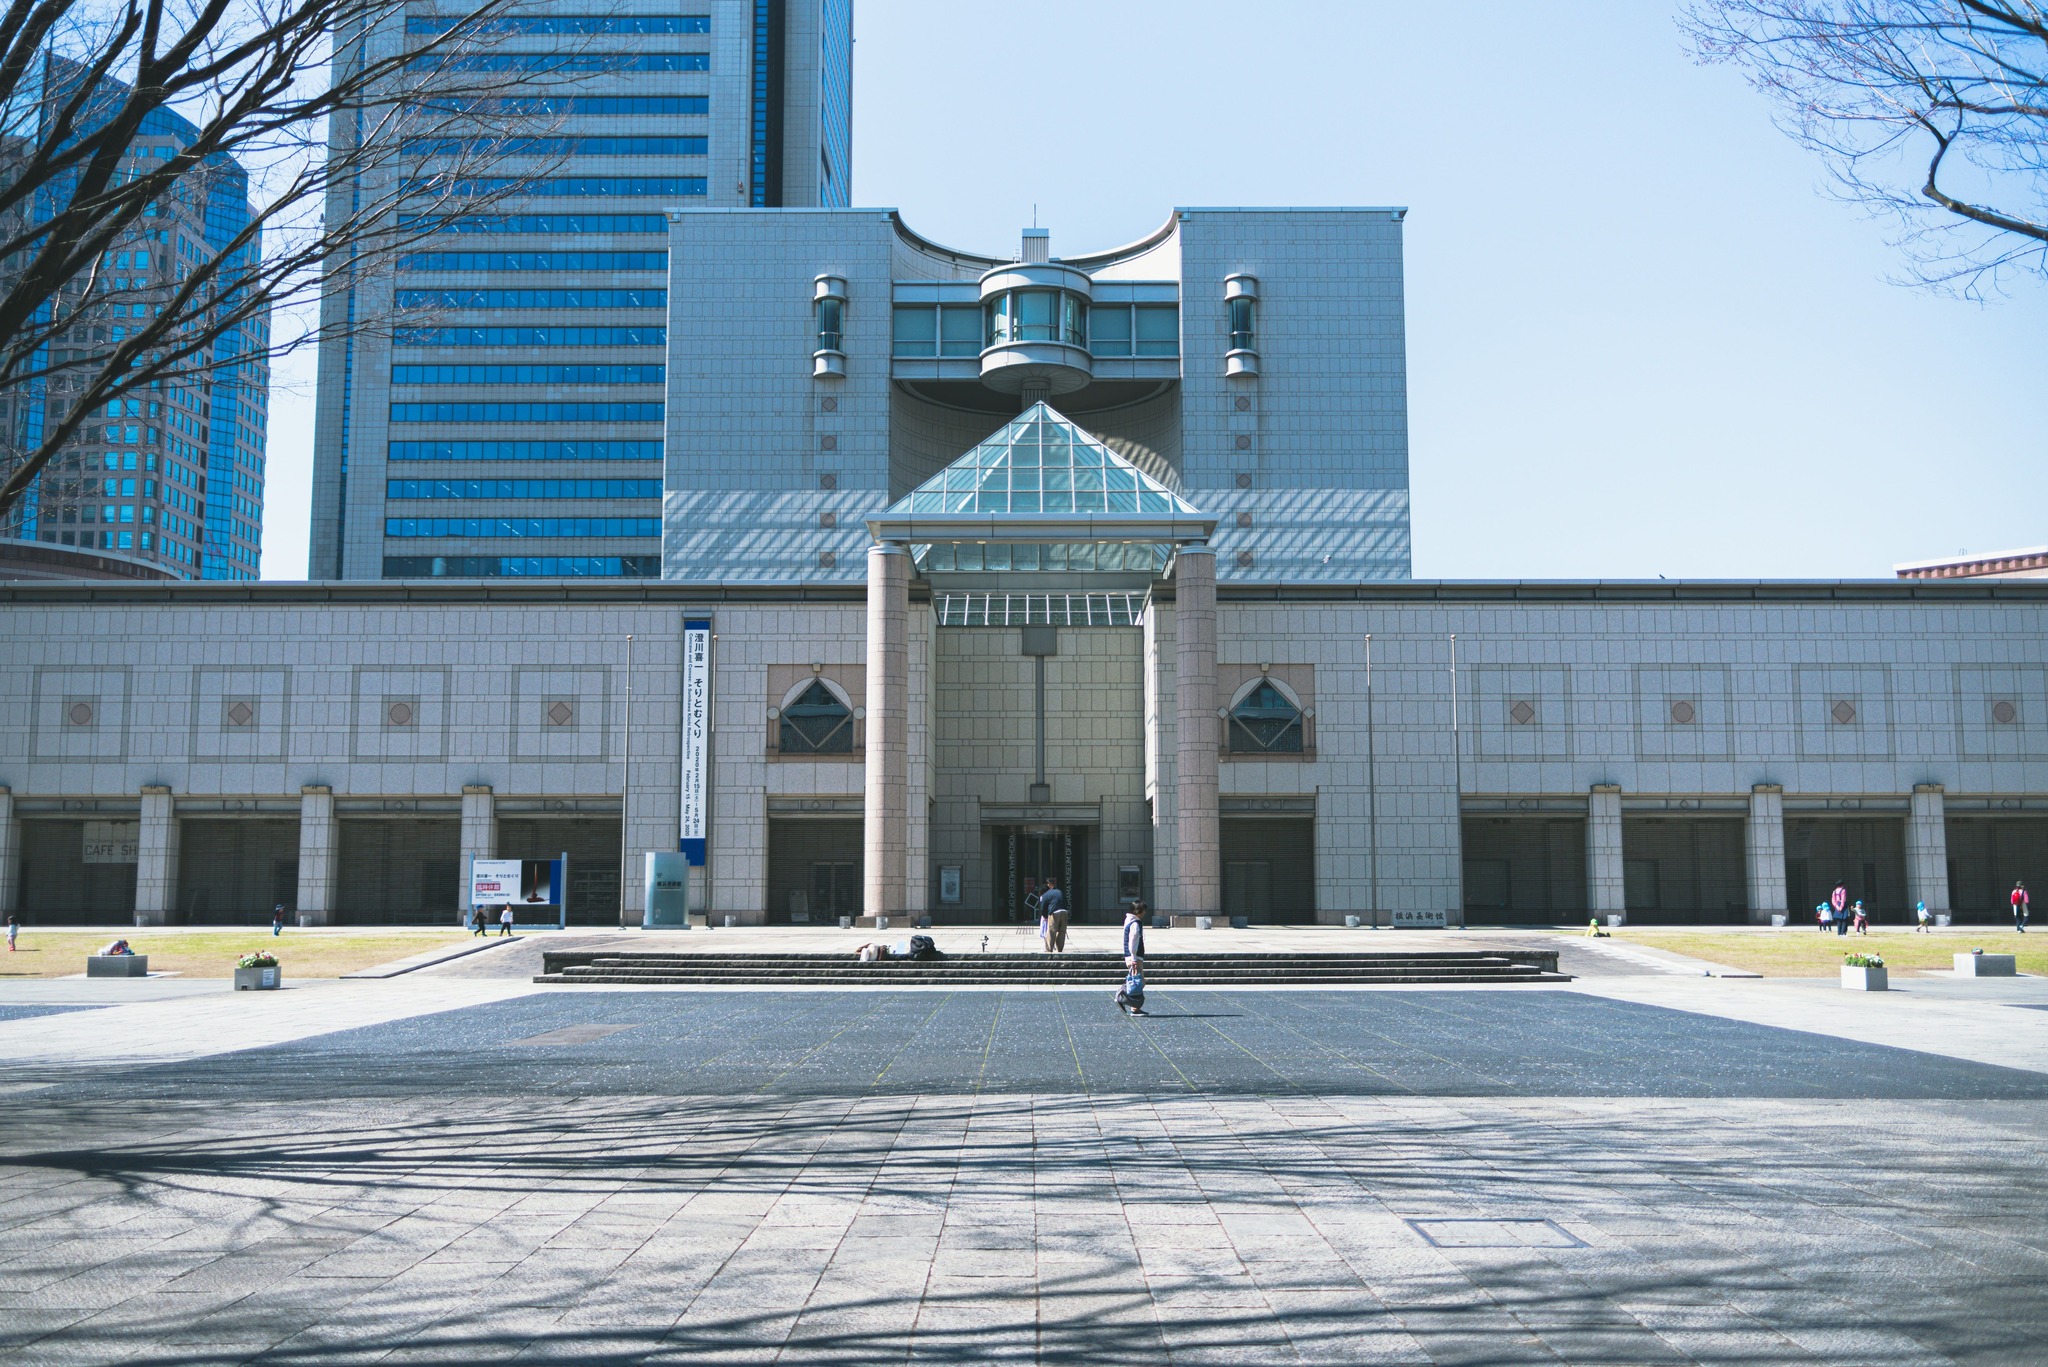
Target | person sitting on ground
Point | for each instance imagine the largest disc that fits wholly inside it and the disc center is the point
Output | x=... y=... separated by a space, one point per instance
x=1593 y=929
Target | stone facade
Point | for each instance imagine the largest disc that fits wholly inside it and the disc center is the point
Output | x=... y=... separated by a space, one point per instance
x=1889 y=733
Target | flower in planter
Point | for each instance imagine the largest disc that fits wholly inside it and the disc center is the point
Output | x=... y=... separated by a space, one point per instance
x=1863 y=960
x=259 y=959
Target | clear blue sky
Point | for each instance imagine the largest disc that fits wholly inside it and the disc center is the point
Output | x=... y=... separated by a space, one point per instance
x=1640 y=340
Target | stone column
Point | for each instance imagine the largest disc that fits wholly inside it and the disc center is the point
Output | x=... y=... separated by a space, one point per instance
x=887 y=808
x=1197 y=734
x=1927 y=850
x=479 y=835
x=1605 y=888
x=1764 y=849
x=10 y=853
x=319 y=853
x=156 y=859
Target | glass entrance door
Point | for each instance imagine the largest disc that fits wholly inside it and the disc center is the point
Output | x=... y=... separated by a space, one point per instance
x=1027 y=856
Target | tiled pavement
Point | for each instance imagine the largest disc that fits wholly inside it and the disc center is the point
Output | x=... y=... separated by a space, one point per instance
x=857 y=1178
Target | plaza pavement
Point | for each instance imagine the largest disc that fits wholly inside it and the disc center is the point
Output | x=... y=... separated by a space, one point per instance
x=458 y=1166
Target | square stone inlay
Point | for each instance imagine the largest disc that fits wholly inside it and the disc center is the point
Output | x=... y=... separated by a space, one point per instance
x=1510 y=1233
x=2004 y=712
x=1522 y=712
x=240 y=713
x=400 y=714
x=1684 y=713
x=78 y=714
x=560 y=713
x=1843 y=712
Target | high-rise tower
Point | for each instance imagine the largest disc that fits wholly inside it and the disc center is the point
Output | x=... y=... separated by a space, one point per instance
x=511 y=422
x=172 y=474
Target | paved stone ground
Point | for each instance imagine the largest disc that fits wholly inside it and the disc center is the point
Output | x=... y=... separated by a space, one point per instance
x=1471 y=1177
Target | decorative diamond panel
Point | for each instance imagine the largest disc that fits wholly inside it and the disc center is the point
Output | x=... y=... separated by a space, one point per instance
x=1522 y=713
x=240 y=713
x=1843 y=712
x=560 y=714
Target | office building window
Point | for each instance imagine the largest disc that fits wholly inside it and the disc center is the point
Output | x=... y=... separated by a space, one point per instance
x=666 y=106
x=937 y=329
x=527 y=374
x=692 y=146
x=532 y=299
x=530 y=337
x=552 y=224
x=1035 y=315
x=1134 y=330
x=486 y=527
x=521 y=488
x=534 y=261
x=567 y=187
x=639 y=24
x=564 y=64
x=520 y=566
x=526 y=412
x=525 y=450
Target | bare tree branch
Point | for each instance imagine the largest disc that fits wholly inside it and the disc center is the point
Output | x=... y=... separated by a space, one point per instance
x=1933 y=113
x=251 y=87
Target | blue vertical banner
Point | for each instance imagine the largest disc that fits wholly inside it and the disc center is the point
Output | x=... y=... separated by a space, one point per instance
x=696 y=737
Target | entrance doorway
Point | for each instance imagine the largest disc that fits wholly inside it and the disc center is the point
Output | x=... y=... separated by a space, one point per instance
x=1028 y=855
x=814 y=869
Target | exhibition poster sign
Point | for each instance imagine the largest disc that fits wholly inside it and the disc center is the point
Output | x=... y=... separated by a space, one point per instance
x=696 y=736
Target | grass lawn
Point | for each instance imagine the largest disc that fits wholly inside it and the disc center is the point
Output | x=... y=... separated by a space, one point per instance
x=1806 y=953
x=212 y=954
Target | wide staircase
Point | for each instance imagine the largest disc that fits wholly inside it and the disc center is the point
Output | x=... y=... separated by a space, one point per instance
x=1478 y=967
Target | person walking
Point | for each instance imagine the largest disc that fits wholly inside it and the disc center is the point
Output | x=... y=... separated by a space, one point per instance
x=13 y=929
x=277 y=920
x=476 y=921
x=1923 y=919
x=1862 y=921
x=505 y=920
x=2019 y=907
x=1052 y=903
x=1131 y=996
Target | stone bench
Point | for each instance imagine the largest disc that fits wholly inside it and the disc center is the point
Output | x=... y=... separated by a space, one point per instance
x=1985 y=966
x=117 y=966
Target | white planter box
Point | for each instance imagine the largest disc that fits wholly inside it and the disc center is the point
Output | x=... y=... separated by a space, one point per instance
x=117 y=966
x=1864 y=979
x=1985 y=966
x=258 y=979
x=1778 y=920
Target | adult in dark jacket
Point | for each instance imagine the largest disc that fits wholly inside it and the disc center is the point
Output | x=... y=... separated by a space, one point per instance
x=1052 y=906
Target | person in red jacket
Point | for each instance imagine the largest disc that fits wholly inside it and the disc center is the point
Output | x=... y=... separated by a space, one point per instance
x=2019 y=907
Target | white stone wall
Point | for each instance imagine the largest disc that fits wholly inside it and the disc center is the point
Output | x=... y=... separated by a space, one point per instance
x=1921 y=669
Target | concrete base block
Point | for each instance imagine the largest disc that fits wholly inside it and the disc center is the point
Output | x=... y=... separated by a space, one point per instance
x=1865 y=979
x=117 y=966
x=258 y=979
x=1986 y=966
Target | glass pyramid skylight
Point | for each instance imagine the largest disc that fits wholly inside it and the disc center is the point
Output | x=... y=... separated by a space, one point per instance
x=1042 y=463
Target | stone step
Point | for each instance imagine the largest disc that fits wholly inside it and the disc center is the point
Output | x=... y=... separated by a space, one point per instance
x=1029 y=970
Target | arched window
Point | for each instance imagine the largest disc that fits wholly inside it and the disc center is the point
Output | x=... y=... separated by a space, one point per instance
x=817 y=722
x=1265 y=721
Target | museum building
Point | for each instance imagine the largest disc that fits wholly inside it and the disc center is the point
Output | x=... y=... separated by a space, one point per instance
x=983 y=570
